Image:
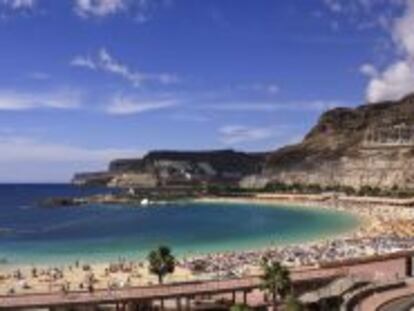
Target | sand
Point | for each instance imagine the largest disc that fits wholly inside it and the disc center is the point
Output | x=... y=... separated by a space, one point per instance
x=73 y=277
x=376 y=219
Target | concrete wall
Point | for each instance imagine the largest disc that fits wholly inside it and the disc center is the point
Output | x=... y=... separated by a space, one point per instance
x=382 y=270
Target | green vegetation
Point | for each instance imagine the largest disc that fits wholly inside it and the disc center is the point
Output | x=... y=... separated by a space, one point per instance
x=275 y=280
x=161 y=262
x=292 y=303
x=308 y=188
x=223 y=190
x=280 y=187
x=239 y=307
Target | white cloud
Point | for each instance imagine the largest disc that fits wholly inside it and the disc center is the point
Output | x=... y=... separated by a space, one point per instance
x=99 y=8
x=369 y=70
x=105 y=62
x=122 y=105
x=315 y=105
x=362 y=14
x=17 y=101
x=28 y=159
x=140 y=10
x=15 y=148
x=82 y=61
x=396 y=80
x=403 y=32
x=19 y=4
x=273 y=89
x=393 y=83
x=269 y=88
x=235 y=134
x=334 y=5
x=359 y=6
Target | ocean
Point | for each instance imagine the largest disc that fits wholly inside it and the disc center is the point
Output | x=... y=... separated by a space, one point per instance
x=32 y=234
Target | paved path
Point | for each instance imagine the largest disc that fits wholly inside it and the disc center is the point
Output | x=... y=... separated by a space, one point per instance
x=153 y=292
x=402 y=304
x=379 y=301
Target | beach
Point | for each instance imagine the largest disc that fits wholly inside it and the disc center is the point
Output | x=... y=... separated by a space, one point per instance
x=79 y=276
x=377 y=217
x=383 y=229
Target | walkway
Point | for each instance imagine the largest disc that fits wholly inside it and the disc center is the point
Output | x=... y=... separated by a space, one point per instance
x=379 y=301
x=168 y=291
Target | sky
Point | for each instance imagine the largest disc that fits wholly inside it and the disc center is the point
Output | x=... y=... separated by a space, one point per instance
x=86 y=81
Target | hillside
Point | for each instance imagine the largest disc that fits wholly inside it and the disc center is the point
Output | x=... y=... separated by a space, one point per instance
x=178 y=168
x=371 y=145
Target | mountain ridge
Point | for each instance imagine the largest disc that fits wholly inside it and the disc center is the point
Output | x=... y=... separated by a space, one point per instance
x=369 y=145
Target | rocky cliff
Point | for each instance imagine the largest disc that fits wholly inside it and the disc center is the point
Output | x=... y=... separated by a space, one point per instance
x=178 y=168
x=371 y=145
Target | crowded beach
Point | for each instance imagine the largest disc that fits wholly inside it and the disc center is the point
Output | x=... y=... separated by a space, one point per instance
x=383 y=229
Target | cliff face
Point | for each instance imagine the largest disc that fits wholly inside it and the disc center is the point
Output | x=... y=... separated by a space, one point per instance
x=369 y=145
x=176 y=168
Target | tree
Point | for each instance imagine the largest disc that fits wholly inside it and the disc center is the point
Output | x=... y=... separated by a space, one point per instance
x=293 y=303
x=275 y=280
x=161 y=262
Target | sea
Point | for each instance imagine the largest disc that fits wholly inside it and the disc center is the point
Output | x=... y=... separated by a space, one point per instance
x=31 y=233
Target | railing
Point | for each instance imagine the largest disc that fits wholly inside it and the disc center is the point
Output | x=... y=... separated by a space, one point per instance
x=167 y=291
x=352 y=300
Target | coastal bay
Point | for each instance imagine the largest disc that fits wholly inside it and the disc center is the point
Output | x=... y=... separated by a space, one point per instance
x=322 y=231
x=106 y=232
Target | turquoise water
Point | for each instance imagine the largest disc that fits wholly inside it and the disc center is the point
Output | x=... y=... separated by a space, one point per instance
x=98 y=232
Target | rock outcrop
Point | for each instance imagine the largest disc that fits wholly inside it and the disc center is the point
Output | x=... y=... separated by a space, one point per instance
x=177 y=168
x=371 y=145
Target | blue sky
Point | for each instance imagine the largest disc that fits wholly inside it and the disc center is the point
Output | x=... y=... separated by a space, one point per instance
x=84 y=81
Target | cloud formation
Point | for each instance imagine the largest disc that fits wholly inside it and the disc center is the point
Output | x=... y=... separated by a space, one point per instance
x=122 y=105
x=364 y=13
x=315 y=105
x=15 y=149
x=140 y=10
x=236 y=134
x=50 y=161
x=99 y=8
x=397 y=79
x=266 y=88
x=105 y=62
x=19 y=4
x=61 y=99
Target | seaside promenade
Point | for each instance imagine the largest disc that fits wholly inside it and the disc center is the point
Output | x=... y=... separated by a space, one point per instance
x=133 y=296
x=184 y=294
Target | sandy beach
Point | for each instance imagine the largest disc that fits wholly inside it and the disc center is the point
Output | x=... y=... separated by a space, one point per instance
x=79 y=276
x=383 y=229
x=376 y=219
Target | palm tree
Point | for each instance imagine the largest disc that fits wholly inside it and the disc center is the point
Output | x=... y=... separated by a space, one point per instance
x=275 y=280
x=161 y=262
